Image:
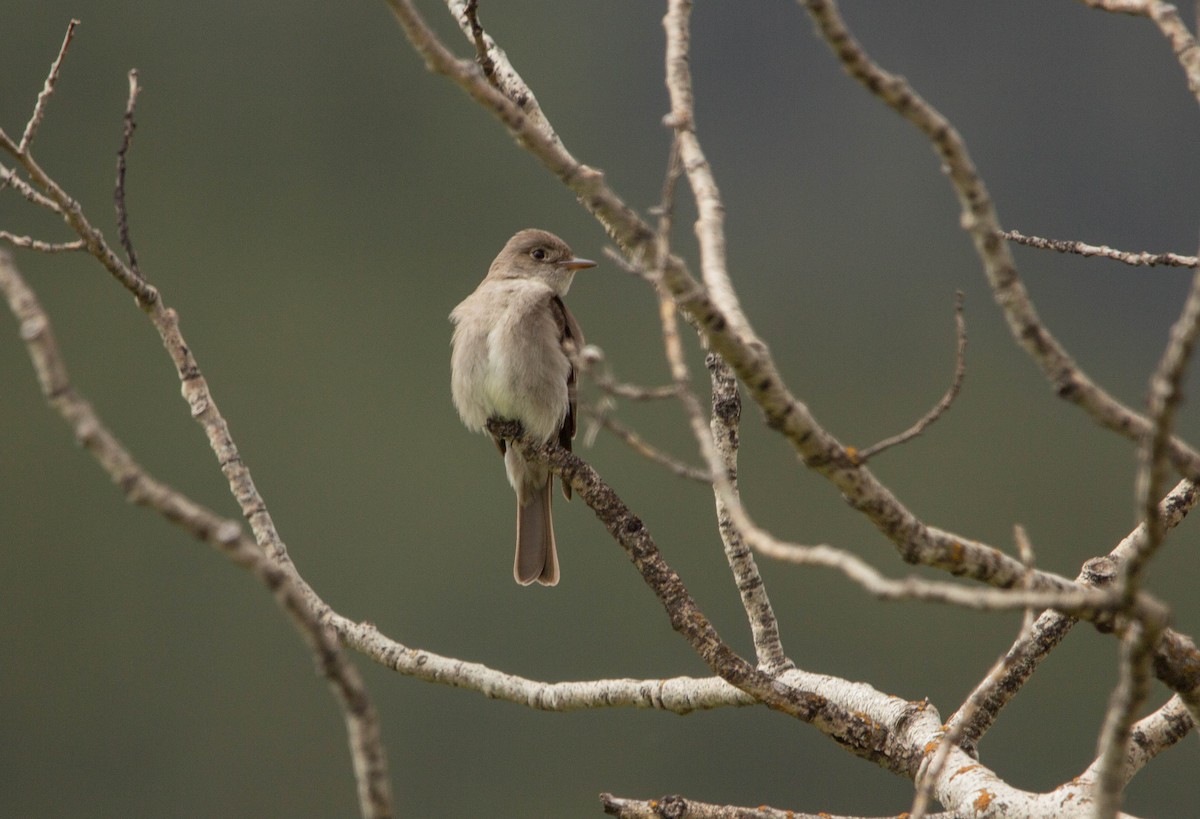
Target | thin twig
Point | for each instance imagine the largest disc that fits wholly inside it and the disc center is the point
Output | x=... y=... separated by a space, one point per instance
x=682 y=377
x=1026 y=553
x=8 y=177
x=1142 y=259
x=960 y=371
x=634 y=392
x=471 y=13
x=628 y=266
x=119 y=190
x=591 y=363
x=39 y=108
x=976 y=701
x=644 y=448
x=1133 y=686
x=30 y=243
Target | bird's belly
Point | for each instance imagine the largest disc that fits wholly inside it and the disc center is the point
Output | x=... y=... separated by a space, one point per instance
x=534 y=395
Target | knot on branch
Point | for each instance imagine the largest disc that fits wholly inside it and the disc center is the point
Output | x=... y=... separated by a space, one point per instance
x=1100 y=571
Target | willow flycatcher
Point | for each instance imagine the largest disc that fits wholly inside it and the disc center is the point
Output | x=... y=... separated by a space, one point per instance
x=511 y=359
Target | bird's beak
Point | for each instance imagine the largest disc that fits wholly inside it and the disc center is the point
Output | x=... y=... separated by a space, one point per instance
x=578 y=264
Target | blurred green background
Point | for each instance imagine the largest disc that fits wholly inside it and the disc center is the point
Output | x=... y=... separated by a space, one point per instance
x=314 y=203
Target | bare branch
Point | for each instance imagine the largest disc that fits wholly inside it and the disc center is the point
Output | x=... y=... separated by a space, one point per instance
x=194 y=386
x=763 y=623
x=39 y=108
x=1142 y=637
x=869 y=739
x=139 y=487
x=677 y=695
x=1142 y=259
x=1004 y=682
x=960 y=371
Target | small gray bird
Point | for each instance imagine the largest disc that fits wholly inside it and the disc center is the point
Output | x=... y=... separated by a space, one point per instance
x=510 y=360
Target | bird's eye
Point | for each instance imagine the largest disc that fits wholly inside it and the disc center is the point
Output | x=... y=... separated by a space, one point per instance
x=538 y=253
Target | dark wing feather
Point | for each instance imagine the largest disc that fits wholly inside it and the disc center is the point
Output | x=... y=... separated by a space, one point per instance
x=568 y=334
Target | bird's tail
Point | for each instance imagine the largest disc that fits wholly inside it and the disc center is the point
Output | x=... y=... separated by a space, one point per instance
x=537 y=557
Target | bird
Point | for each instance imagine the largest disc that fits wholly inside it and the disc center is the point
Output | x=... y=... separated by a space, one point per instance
x=511 y=358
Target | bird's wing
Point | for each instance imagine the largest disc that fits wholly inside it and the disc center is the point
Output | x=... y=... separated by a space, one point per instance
x=568 y=334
